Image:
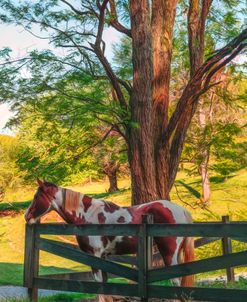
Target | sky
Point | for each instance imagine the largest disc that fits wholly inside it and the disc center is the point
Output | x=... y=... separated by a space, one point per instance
x=21 y=42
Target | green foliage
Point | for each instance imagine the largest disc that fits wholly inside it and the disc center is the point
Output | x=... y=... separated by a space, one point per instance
x=10 y=176
x=223 y=136
x=62 y=139
x=122 y=58
x=48 y=150
x=67 y=98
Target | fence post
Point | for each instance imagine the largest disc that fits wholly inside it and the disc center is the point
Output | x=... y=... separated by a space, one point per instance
x=31 y=262
x=144 y=256
x=227 y=249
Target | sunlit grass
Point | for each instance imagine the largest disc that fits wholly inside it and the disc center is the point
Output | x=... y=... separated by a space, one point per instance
x=72 y=297
x=228 y=198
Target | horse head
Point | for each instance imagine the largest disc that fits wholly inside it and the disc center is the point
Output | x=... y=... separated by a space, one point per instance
x=46 y=198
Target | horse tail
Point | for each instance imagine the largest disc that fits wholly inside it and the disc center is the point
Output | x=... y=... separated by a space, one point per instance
x=188 y=255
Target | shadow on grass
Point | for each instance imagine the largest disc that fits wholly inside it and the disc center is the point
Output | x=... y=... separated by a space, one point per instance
x=107 y=194
x=220 y=179
x=14 y=206
x=193 y=191
x=12 y=273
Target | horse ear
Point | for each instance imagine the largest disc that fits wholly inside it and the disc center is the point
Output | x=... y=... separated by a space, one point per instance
x=40 y=182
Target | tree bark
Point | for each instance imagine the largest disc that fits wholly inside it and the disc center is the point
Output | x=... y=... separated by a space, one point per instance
x=163 y=17
x=196 y=28
x=140 y=149
x=203 y=168
x=110 y=169
x=113 y=182
x=154 y=162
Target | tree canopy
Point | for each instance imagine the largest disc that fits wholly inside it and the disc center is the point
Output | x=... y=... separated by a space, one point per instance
x=142 y=92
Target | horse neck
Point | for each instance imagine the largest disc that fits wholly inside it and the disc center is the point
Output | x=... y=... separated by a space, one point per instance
x=73 y=206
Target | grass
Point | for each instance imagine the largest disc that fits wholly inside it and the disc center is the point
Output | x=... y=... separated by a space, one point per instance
x=240 y=284
x=14 y=206
x=73 y=297
x=228 y=198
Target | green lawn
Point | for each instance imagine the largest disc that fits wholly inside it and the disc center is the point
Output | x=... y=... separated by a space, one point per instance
x=72 y=297
x=228 y=198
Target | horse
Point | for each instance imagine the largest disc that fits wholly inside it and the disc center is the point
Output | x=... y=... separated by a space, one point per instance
x=79 y=209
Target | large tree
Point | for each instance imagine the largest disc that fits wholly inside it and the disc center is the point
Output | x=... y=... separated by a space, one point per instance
x=154 y=135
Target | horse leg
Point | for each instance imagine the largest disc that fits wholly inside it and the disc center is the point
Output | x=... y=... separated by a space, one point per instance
x=101 y=276
x=176 y=250
x=169 y=248
x=186 y=254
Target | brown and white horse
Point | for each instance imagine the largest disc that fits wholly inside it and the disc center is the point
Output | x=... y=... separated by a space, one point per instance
x=77 y=208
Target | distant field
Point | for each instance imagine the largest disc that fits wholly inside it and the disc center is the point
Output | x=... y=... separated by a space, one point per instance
x=228 y=198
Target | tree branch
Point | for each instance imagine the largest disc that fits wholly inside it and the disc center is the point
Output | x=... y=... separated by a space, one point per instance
x=104 y=137
x=200 y=81
x=199 y=84
x=114 y=20
x=78 y=12
x=101 y=23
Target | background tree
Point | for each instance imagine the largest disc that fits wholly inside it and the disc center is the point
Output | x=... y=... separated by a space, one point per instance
x=223 y=136
x=154 y=137
x=66 y=147
x=10 y=176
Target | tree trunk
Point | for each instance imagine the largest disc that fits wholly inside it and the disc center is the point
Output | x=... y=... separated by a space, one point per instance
x=163 y=17
x=196 y=28
x=206 y=190
x=154 y=140
x=203 y=169
x=110 y=169
x=140 y=149
x=113 y=182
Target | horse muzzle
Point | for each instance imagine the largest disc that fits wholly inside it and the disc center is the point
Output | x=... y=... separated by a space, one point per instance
x=31 y=221
x=29 y=218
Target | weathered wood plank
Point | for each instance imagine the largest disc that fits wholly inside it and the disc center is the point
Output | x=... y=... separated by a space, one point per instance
x=142 y=249
x=87 y=287
x=232 y=229
x=227 y=249
x=88 y=229
x=83 y=276
x=132 y=259
x=205 y=240
x=31 y=262
x=123 y=259
x=198 y=230
x=144 y=257
x=244 y=239
x=198 y=294
x=64 y=250
x=126 y=259
x=199 y=266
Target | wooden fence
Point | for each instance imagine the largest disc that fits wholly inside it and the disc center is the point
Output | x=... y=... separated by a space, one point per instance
x=143 y=277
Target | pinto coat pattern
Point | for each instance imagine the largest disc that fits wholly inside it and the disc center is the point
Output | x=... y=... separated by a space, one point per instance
x=80 y=209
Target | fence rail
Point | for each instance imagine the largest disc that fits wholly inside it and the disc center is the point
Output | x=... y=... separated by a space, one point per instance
x=143 y=275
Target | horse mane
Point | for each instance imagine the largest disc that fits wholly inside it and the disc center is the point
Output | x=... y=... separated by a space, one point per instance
x=72 y=200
